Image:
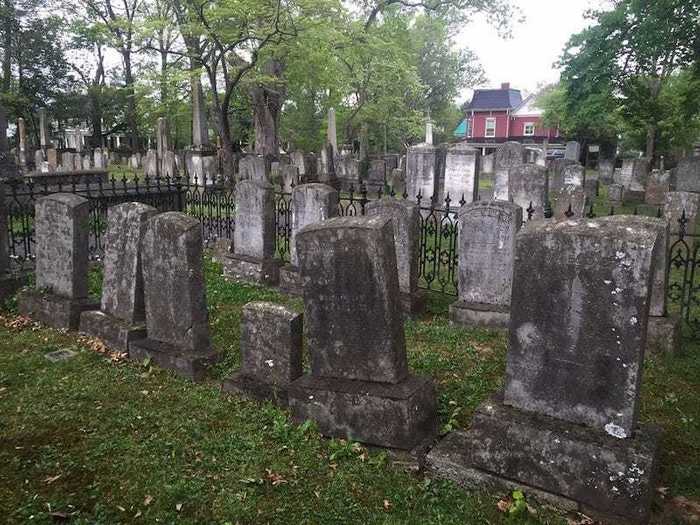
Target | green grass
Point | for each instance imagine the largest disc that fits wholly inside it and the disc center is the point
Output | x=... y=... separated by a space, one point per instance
x=120 y=442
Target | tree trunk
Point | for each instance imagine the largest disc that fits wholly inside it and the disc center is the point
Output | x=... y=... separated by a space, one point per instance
x=267 y=100
x=9 y=9
x=228 y=167
x=651 y=142
x=131 y=122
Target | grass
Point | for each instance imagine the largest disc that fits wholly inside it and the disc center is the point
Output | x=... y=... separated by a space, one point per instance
x=102 y=440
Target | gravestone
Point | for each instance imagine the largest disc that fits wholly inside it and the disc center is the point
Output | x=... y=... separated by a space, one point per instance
x=569 y=202
x=297 y=159
x=658 y=185
x=52 y=158
x=528 y=189
x=461 y=173
x=40 y=165
x=487 y=231
x=405 y=217
x=686 y=175
x=487 y=163
x=397 y=183
x=121 y=317
x=348 y=172
x=10 y=281
x=252 y=167
x=615 y=194
x=555 y=172
x=423 y=163
x=376 y=175
x=311 y=203
x=663 y=332
x=271 y=352
x=169 y=165
x=289 y=177
x=592 y=188
x=574 y=175
x=360 y=387
x=573 y=151
x=633 y=176
x=679 y=204
x=392 y=161
x=606 y=169
x=507 y=156
x=61 y=225
x=21 y=142
x=252 y=259
x=150 y=163
x=67 y=161
x=99 y=159
x=86 y=164
x=565 y=430
x=177 y=320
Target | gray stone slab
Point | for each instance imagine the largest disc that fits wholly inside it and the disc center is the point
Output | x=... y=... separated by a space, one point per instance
x=352 y=313
x=574 y=175
x=555 y=172
x=606 y=169
x=569 y=202
x=616 y=193
x=53 y=310
x=311 y=203
x=254 y=235
x=461 y=173
x=376 y=175
x=679 y=203
x=572 y=151
x=423 y=172
x=507 y=156
x=463 y=313
x=658 y=185
x=60 y=355
x=664 y=336
x=579 y=312
x=115 y=333
x=528 y=189
x=686 y=175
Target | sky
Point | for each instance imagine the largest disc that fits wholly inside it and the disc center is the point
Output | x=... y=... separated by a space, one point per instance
x=526 y=59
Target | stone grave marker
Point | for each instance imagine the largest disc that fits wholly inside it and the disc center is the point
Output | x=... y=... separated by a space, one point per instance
x=61 y=290
x=177 y=320
x=121 y=317
x=252 y=259
x=461 y=173
x=592 y=188
x=150 y=163
x=606 y=169
x=487 y=231
x=573 y=151
x=528 y=187
x=615 y=194
x=555 y=172
x=574 y=175
x=686 y=175
x=633 y=176
x=676 y=205
x=376 y=175
x=271 y=352
x=569 y=202
x=405 y=217
x=423 y=163
x=658 y=185
x=507 y=156
x=360 y=387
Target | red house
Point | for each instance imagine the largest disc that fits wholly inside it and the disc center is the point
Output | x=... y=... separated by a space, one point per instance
x=499 y=115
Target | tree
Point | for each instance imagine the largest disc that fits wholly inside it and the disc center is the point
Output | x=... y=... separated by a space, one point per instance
x=630 y=53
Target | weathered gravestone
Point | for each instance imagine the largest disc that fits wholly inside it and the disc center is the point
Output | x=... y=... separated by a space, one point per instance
x=252 y=259
x=606 y=169
x=100 y=159
x=486 y=239
x=528 y=189
x=271 y=352
x=405 y=217
x=348 y=172
x=177 y=320
x=663 y=333
x=122 y=316
x=616 y=193
x=61 y=232
x=686 y=175
x=360 y=387
x=592 y=188
x=487 y=163
x=461 y=174
x=376 y=175
x=10 y=281
x=289 y=177
x=150 y=163
x=507 y=156
x=423 y=165
x=555 y=172
x=397 y=183
x=573 y=151
x=658 y=185
x=574 y=175
x=682 y=205
x=252 y=167
x=51 y=158
x=633 y=176
x=311 y=203
x=566 y=428
x=569 y=201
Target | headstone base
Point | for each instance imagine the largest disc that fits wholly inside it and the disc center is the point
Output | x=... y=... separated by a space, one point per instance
x=190 y=364
x=290 y=280
x=399 y=415
x=663 y=335
x=10 y=283
x=53 y=310
x=115 y=333
x=251 y=269
x=413 y=304
x=473 y=314
x=253 y=388
x=560 y=463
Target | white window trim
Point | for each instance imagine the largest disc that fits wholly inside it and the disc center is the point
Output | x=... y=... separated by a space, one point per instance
x=525 y=133
x=486 y=128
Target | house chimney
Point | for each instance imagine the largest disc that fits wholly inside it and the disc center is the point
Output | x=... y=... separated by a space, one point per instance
x=505 y=85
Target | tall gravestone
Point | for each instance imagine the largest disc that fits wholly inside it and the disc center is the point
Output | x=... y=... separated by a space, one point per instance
x=177 y=320
x=271 y=352
x=360 y=387
x=252 y=259
x=566 y=426
x=686 y=175
x=569 y=202
x=658 y=185
x=348 y=172
x=606 y=169
x=21 y=142
x=528 y=189
x=555 y=172
x=679 y=204
x=507 y=156
x=461 y=173
x=405 y=217
x=573 y=151
x=61 y=225
x=122 y=316
x=311 y=203
x=487 y=231
x=487 y=163
x=633 y=176
x=376 y=175
x=423 y=163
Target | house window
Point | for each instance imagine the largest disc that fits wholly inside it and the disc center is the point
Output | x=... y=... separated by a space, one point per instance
x=490 y=127
x=529 y=129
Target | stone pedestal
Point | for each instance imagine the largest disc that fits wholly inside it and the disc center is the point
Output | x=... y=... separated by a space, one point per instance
x=115 y=333
x=663 y=335
x=188 y=363
x=397 y=415
x=54 y=310
x=251 y=269
x=485 y=315
x=555 y=462
x=290 y=280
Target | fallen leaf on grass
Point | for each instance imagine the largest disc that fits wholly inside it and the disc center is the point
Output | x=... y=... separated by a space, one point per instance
x=275 y=478
x=178 y=507
x=504 y=505
x=51 y=479
x=147 y=500
x=387 y=504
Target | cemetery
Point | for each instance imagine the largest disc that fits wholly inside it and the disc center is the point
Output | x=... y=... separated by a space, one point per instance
x=306 y=299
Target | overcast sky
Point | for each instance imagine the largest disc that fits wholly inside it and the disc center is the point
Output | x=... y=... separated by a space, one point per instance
x=526 y=59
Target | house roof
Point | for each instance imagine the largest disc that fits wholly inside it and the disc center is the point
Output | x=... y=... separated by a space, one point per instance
x=492 y=99
x=528 y=108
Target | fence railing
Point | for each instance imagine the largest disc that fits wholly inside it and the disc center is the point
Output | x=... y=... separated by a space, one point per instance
x=213 y=204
